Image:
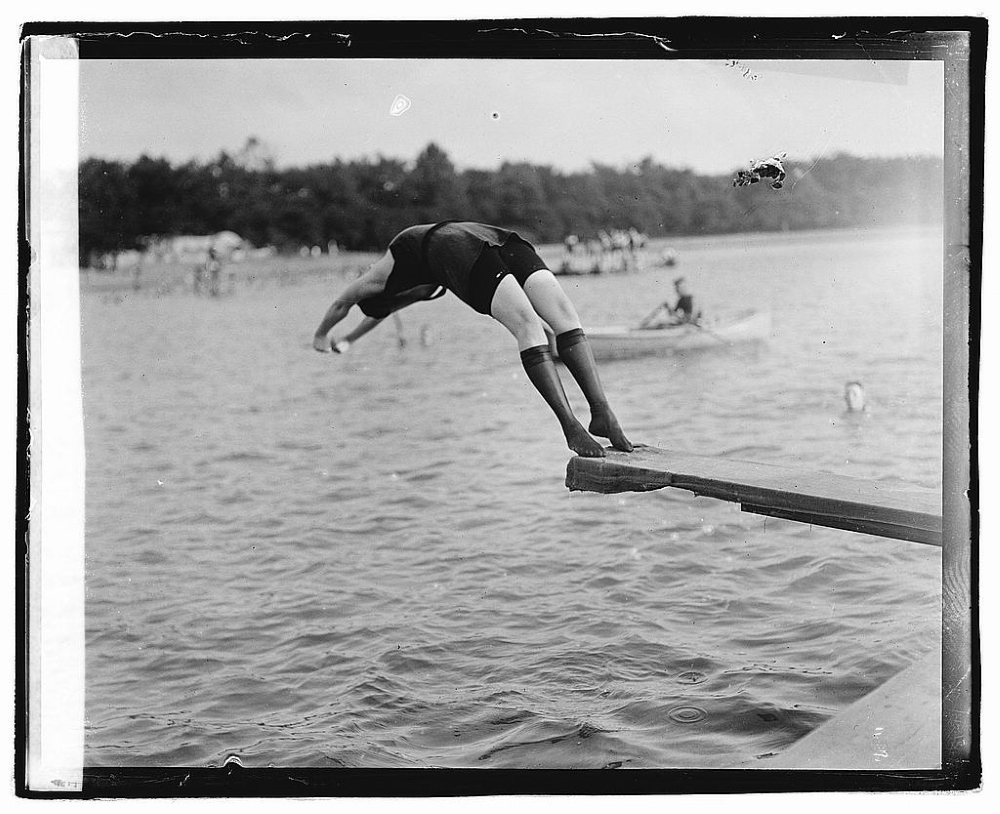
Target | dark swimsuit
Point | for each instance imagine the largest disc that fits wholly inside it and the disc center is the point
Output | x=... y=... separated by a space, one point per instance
x=467 y=258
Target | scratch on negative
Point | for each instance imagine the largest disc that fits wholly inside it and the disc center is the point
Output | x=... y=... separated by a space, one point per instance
x=958 y=685
x=660 y=41
x=877 y=66
x=344 y=38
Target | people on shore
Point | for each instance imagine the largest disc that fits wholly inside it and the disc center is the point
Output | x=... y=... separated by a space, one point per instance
x=209 y=273
x=497 y=273
x=619 y=250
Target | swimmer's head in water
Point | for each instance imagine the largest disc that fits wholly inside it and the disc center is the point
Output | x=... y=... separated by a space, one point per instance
x=854 y=396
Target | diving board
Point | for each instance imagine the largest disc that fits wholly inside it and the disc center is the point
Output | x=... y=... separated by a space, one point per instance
x=822 y=499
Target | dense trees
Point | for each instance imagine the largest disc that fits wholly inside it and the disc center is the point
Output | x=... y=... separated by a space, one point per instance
x=361 y=204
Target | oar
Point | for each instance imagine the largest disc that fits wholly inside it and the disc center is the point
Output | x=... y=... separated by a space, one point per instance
x=653 y=313
x=698 y=325
x=722 y=339
x=710 y=332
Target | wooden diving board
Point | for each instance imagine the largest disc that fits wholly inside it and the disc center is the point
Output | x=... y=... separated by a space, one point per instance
x=822 y=499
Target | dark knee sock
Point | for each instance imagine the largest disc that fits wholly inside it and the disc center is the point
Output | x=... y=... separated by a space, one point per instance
x=542 y=372
x=575 y=352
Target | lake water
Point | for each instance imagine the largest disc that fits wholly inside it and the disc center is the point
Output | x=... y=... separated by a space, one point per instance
x=371 y=560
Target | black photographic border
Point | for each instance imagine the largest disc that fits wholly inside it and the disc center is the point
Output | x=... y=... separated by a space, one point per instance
x=960 y=42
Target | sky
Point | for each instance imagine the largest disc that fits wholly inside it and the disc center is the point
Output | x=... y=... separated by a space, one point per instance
x=709 y=116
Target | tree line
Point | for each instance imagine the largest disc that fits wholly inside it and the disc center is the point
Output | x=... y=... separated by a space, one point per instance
x=361 y=204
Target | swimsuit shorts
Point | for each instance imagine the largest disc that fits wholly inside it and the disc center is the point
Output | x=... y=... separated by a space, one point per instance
x=516 y=257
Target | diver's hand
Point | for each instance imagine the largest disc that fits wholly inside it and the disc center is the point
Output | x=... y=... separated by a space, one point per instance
x=341 y=346
x=321 y=343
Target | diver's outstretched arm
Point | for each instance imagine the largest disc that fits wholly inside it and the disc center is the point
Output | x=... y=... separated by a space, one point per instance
x=369 y=284
x=366 y=325
x=335 y=313
x=324 y=345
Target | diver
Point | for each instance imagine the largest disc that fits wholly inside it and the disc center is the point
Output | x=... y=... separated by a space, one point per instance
x=497 y=273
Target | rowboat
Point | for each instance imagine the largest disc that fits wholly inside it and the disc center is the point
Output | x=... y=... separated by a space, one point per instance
x=622 y=342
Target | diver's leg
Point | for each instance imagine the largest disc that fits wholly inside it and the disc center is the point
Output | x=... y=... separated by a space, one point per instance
x=511 y=308
x=551 y=304
x=550 y=301
x=574 y=350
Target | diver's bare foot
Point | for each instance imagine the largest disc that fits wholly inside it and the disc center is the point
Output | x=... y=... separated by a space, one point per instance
x=604 y=423
x=578 y=440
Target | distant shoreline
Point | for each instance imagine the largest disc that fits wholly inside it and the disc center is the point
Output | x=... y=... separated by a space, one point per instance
x=167 y=277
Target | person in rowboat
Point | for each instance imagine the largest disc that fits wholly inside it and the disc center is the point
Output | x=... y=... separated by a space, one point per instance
x=680 y=313
x=497 y=273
